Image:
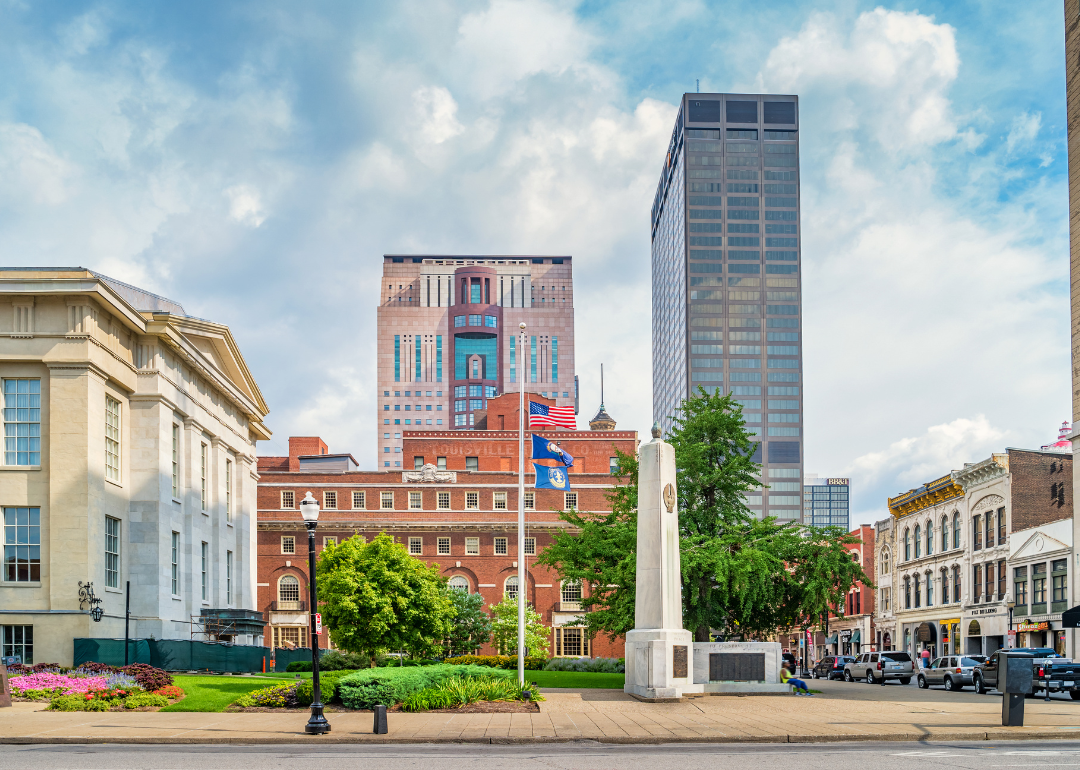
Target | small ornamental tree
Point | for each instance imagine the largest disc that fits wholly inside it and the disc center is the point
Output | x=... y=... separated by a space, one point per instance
x=375 y=596
x=504 y=622
x=470 y=628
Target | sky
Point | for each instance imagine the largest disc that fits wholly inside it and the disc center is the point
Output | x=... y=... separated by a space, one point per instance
x=254 y=160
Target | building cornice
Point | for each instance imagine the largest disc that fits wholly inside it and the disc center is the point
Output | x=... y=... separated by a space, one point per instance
x=416 y=526
x=994 y=467
x=928 y=495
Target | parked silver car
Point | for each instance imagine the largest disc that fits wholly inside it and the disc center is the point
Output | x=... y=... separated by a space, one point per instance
x=954 y=672
x=875 y=666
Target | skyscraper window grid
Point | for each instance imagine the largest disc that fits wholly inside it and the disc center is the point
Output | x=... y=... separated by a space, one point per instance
x=728 y=155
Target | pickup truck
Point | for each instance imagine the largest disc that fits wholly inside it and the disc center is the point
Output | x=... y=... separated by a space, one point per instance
x=1051 y=672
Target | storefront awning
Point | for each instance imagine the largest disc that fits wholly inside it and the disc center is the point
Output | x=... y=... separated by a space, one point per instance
x=856 y=637
x=1071 y=618
x=832 y=639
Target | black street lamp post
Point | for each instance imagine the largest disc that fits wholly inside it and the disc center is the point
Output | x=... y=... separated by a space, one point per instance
x=317 y=724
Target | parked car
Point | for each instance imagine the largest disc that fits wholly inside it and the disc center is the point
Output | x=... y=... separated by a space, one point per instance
x=831 y=667
x=1050 y=672
x=873 y=666
x=953 y=672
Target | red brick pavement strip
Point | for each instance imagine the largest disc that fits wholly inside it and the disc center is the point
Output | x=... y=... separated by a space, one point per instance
x=602 y=717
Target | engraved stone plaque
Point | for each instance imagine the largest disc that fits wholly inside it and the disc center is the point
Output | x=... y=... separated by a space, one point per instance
x=679 y=668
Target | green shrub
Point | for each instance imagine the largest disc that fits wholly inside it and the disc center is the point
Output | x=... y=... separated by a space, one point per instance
x=389 y=686
x=278 y=696
x=459 y=692
x=143 y=699
x=587 y=665
x=508 y=662
x=298 y=666
x=336 y=660
x=328 y=683
x=77 y=703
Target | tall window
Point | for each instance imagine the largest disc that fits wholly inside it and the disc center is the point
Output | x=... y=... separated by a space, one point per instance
x=112 y=552
x=1038 y=583
x=907 y=593
x=885 y=562
x=500 y=546
x=511 y=587
x=22 y=422
x=956 y=529
x=176 y=461
x=976 y=581
x=530 y=501
x=112 y=439
x=571 y=595
x=944 y=534
x=228 y=490
x=989 y=519
x=1001 y=526
x=175 y=563
x=18 y=641
x=530 y=546
x=205 y=566
x=330 y=500
x=443 y=501
x=944 y=586
x=22 y=545
x=918 y=540
x=288 y=499
x=1003 y=577
x=386 y=501
x=570 y=501
x=976 y=533
x=228 y=577
x=907 y=545
x=929 y=589
x=202 y=475
x=989 y=581
x=956 y=581
x=1020 y=587
x=288 y=591
x=929 y=538
x=443 y=544
x=918 y=592
x=358 y=501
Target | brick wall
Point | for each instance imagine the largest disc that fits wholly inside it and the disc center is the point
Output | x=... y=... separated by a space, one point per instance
x=1041 y=487
x=304 y=445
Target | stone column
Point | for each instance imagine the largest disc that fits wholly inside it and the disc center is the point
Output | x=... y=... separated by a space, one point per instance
x=659 y=651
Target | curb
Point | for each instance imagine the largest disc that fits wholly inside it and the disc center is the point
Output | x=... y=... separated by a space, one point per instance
x=355 y=739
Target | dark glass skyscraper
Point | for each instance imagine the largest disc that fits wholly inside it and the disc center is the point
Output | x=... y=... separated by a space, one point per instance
x=726 y=276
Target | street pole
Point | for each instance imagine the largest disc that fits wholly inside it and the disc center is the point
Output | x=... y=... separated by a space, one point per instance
x=317 y=724
x=521 y=509
x=127 y=621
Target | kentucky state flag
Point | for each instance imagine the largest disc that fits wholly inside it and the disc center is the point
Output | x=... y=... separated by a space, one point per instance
x=551 y=477
x=542 y=449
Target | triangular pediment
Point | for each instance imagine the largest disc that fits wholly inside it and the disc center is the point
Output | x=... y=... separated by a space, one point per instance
x=1037 y=544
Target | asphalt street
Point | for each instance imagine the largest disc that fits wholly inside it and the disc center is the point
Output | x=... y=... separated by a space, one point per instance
x=860 y=690
x=583 y=755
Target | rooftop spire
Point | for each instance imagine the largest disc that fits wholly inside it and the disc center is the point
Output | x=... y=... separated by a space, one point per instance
x=603 y=420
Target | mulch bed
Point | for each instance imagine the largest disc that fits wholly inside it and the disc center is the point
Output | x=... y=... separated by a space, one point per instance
x=481 y=707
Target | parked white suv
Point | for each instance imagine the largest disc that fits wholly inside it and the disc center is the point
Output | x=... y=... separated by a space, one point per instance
x=877 y=666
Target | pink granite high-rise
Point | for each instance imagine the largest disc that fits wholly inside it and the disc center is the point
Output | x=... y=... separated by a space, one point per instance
x=448 y=339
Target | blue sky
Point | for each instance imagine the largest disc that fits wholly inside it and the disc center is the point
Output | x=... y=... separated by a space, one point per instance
x=254 y=160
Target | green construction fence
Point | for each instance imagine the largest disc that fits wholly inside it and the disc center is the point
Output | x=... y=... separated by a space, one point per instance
x=188 y=655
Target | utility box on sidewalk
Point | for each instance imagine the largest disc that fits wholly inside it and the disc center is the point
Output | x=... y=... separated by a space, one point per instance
x=1014 y=681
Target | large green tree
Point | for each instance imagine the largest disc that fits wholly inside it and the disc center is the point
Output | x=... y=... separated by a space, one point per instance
x=504 y=627
x=740 y=575
x=375 y=596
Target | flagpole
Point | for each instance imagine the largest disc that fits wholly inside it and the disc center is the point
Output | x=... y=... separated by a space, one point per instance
x=522 y=588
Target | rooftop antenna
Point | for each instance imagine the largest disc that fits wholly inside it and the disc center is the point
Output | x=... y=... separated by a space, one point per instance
x=601 y=387
x=698 y=82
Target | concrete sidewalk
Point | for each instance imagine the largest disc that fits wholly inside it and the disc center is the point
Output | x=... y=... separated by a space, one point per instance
x=607 y=716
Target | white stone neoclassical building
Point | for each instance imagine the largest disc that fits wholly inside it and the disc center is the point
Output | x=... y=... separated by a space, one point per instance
x=130 y=432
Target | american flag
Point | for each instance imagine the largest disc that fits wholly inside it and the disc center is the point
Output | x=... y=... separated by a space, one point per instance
x=542 y=414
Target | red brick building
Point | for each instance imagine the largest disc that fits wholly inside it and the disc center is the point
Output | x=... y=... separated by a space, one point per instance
x=851 y=628
x=455 y=506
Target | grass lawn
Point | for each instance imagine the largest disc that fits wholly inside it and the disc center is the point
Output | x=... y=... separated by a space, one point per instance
x=214 y=693
x=575 y=680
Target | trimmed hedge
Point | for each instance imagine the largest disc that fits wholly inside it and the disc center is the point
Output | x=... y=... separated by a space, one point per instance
x=390 y=686
x=589 y=665
x=506 y=662
x=328 y=683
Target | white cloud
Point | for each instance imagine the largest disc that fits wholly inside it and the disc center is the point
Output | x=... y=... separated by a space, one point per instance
x=1025 y=127
x=30 y=169
x=245 y=205
x=437 y=111
x=941 y=449
x=512 y=40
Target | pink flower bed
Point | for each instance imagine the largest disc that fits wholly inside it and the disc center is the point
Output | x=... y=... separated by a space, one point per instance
x=46 y=681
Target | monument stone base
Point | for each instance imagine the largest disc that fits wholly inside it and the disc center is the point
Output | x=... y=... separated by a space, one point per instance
x=660 y=665
x=739 y=668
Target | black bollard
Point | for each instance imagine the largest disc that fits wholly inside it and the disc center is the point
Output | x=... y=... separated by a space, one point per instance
x=380 y=720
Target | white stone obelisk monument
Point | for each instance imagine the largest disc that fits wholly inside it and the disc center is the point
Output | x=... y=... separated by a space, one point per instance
x=659 y=651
